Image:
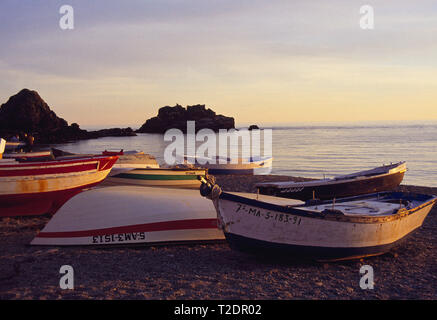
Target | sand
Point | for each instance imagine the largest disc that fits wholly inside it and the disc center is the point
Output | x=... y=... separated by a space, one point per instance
x=211 y=271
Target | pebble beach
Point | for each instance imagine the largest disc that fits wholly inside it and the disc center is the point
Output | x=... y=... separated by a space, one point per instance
x=210 y=271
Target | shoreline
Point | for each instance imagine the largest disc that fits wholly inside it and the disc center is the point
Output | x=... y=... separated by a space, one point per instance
x=209 y=271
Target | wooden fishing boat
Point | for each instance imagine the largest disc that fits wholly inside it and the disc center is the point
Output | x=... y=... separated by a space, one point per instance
x=34 y=188
x=383 y=178
x=127 y=160
x=347 y=228
x=164 y=177
x=34 y=156
x=132 y=215
x=241 y=166
x=11 y=145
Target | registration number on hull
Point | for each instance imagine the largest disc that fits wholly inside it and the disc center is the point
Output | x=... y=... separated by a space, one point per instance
x=268 y=215
x=119 y=237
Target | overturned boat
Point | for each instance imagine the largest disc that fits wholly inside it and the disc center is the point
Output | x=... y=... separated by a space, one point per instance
x=132 y=215
x=347 y=228
x=382 y=178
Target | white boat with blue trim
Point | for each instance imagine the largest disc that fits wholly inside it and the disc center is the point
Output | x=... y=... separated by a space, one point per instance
x=346 y=228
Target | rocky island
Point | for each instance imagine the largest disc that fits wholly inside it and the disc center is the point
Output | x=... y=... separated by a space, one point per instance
x=26 y=112
x=177 y=117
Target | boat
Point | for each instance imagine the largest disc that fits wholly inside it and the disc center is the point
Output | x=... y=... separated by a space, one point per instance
x=30 y=156
x=240 y=166
x=127 y=160
x=35 y=188
x=11 y=145
x=384 y=178
x=341 y=229
x=163 y=177
x=132 y=215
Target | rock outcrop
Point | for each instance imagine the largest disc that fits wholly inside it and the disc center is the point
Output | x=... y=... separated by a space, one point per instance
x=177 y=117
x=253 y=127
x=27 y=112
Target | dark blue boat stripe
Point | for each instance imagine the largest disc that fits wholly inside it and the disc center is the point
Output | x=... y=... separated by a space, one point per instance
x=258 y=246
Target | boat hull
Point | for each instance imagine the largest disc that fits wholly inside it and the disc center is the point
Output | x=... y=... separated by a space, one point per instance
x=30 y=204
x=254 y=227
x=41 y=188
x=242 y=166
x=159 y=177
x=255 y=246
x=132 y=215
x=251 y=168
x=337 y=190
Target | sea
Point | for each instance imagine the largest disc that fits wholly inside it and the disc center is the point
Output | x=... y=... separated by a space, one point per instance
x=318 y=150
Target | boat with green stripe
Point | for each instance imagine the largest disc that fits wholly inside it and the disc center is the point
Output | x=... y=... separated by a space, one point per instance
x=170 y=177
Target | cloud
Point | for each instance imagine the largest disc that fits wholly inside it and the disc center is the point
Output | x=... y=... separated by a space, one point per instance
x=220 y=51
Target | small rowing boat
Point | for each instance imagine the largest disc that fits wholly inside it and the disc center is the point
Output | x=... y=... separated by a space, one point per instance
x=163 y=177
x=34 y=188
x=132 y=215
x=241 y=166
x=127 y=160
x=346 y=228
x=379 y=179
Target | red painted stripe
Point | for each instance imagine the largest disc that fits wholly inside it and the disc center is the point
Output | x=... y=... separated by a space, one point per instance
x=148 y=227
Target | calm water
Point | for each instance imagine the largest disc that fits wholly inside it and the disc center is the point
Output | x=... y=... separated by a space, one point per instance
x=317 y=151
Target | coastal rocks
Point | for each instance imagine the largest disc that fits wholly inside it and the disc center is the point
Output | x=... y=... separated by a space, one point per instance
x=27 y=112
x=177 y=117
x=253 y=127
x=114 y=132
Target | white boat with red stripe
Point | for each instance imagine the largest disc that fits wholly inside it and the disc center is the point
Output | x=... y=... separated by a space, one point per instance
x=132 y=215
x=35 y=188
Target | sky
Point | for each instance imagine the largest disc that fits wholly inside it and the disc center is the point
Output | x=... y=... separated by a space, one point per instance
x=261 y=62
